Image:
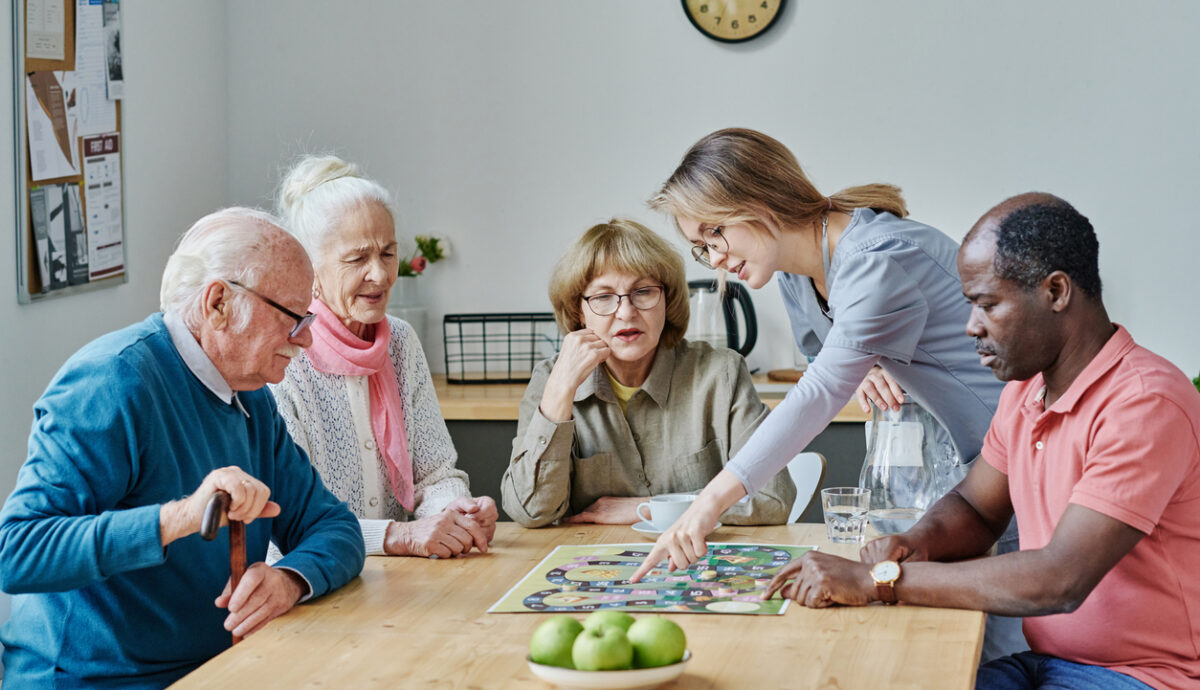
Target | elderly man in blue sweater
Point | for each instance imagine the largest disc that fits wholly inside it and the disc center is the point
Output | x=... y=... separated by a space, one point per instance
x=99 y=543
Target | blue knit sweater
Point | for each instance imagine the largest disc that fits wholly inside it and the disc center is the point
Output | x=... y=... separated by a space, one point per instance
x=123 y=428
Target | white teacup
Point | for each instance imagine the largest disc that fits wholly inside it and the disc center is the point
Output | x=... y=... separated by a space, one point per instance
x=665 y=509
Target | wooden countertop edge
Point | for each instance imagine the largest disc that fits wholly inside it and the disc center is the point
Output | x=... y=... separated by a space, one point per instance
x=502 y=401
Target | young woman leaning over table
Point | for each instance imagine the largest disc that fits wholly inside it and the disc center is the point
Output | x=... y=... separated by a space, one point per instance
x=629 y=409
x=875 y=297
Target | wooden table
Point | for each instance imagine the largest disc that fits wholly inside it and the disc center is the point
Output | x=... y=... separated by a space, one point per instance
x=502 y=401
x=412 y=622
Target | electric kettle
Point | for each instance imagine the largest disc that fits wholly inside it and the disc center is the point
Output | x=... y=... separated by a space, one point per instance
x=715 y=319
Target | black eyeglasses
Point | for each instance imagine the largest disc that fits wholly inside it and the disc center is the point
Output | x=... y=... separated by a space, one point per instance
x=714 y=240
x=302 y=322
x=608 y=303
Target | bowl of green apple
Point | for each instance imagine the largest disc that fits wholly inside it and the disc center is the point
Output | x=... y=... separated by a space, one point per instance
x=609 y=650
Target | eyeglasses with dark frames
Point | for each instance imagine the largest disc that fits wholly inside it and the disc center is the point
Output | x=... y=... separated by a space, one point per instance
x=607 y=303
x=714 y=240
x=302 y=322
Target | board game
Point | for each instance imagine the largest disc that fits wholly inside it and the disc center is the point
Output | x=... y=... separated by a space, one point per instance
x=578 y=578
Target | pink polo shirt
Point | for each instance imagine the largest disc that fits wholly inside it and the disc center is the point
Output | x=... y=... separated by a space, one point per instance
x=1124 y=440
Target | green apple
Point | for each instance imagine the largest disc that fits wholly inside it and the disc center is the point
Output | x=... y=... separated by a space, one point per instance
x=602 y=649
x=608 y=618
x=552 y=641
x=656 y=641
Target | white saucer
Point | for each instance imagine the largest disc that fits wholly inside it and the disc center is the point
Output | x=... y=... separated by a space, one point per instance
x=647 y=528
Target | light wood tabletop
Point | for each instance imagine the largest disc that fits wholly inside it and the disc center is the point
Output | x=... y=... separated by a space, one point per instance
x=502 y=401
x=413 y=622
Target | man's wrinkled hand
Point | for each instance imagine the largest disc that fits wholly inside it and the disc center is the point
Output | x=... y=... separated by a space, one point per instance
x=248 y=501
x=263 y=594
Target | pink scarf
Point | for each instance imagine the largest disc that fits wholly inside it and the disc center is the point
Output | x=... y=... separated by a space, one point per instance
x=335 y=350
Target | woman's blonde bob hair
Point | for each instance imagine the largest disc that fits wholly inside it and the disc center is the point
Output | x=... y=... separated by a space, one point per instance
x=621 y=246
x=742 y=176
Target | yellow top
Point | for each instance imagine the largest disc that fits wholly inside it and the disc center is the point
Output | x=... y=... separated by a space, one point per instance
x=624 y=393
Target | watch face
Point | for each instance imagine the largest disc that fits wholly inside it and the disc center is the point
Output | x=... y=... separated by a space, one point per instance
x=733 y=21
x=885 y=571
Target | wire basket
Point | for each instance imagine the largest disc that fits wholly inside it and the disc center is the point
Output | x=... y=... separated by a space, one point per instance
x=497 y=348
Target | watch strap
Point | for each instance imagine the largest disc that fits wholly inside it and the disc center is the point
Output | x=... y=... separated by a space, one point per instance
x=886 y=591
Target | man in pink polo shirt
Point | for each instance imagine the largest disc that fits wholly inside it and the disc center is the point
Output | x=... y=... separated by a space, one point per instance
x=1096 y=448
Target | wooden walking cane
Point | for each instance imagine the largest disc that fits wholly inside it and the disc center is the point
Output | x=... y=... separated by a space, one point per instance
x=218 y=505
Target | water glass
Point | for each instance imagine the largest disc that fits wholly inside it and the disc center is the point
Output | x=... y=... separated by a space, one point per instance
x=845 y=513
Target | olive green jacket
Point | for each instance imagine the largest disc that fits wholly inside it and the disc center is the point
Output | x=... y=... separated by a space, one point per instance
x=696 y=408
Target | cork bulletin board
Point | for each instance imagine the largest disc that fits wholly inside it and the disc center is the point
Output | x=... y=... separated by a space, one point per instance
x=68 y=84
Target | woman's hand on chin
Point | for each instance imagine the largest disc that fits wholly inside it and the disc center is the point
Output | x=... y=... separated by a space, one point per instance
x=581 y=352
x=609 y=510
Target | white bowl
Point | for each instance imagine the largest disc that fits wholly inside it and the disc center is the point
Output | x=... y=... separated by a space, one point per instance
x=572 y=679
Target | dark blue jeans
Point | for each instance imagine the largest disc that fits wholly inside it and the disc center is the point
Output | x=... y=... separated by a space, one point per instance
x=1028 y=670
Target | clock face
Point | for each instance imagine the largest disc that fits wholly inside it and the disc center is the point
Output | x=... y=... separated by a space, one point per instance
x=733 y=21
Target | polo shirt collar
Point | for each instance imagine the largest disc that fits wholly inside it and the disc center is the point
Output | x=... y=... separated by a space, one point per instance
x=657 y=384
x=1109 y=356
x=198 y=362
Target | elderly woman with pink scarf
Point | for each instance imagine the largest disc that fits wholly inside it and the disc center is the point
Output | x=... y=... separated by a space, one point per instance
x=360 y=400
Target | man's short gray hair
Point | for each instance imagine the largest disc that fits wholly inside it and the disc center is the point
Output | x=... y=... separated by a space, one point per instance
x=220 y=246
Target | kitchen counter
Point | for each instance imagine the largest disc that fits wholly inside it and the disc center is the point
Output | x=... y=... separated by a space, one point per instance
x=502 y=401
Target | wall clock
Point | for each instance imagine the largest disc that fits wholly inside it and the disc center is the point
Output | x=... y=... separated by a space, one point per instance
x=733 y=21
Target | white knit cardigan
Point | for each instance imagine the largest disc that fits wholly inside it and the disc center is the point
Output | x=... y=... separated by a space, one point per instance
x=328 y=415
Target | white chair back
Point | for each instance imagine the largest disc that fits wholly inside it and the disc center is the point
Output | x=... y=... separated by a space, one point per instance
x=807 y=470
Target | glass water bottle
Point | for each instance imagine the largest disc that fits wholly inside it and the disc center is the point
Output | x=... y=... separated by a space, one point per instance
x=899 y=468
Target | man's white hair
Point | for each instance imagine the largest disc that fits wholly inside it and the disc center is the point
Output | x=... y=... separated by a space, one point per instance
x=225 y=245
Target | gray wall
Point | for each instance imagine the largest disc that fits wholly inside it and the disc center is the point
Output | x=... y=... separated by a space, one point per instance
x=511 y=127
x=175 y=158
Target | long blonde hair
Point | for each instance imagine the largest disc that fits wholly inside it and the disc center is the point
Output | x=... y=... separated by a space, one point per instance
x=739 y=175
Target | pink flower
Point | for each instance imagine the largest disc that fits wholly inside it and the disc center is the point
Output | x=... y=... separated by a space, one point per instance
x=418 y=264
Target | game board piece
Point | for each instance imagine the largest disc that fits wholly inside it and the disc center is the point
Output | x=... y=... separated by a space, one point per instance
x=570 y=587
x=708 y=575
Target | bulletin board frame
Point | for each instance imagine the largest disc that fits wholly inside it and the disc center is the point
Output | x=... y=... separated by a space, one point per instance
x=29 y=287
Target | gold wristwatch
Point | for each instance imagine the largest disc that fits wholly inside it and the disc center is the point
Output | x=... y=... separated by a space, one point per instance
x=885 y=574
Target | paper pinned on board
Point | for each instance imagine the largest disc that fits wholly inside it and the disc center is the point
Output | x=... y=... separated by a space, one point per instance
x=95 y=112
x=45 y=29
x=51 y=130
x=112 y=49
x=102 y=196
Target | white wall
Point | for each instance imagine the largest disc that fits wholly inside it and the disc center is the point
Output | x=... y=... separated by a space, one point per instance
x=175 y=165
x=511 y=127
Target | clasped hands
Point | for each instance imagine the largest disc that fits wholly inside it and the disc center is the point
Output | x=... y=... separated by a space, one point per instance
x=464 y=524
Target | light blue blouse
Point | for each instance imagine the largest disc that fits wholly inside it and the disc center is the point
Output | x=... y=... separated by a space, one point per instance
x=895 y=300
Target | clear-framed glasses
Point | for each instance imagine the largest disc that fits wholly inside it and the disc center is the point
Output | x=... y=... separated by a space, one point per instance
x=607 y=303
x=302 y=322
x=714 y=240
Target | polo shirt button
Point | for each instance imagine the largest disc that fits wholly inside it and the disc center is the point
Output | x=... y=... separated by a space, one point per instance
x=369 y=445
x=1038 y=445
x=374 y=501
x=541 y=440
